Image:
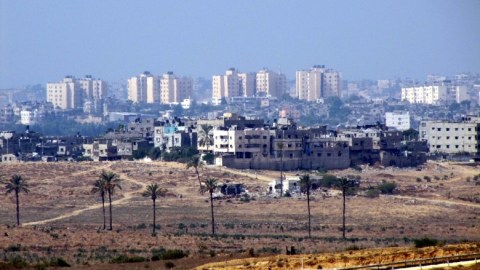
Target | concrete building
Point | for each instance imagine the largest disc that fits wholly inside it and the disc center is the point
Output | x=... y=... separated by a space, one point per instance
x=174 y=89
x=452 y=137
x=270 y=84
x=144 y=88
x=399 y=120
x=71 y=92
x=317 y=83
x=247 y=82
x=66 y=94
x=93 y=88
x=227 y=85
x=27 y=117
x=432 y=94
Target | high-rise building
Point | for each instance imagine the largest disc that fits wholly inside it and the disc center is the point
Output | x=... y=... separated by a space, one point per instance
x=144 y=88
x=317 y=82
x=247 y=84
x=269 y=83
x=225 y=85
x=66 y=94
x=174 y=89
x=93 y=88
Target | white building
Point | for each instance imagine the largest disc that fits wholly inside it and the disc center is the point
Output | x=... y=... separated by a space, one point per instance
x=27 y=117
x=432 y=94
x=398 y=120
x=452 y=137
x=247 y=83
x=316 y=83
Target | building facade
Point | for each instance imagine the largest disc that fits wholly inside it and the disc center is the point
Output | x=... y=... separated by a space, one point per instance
x=66 y=94
x=398 y=120
x=452 y=137
x=270 y=83
x=144 y=88
x=174 y=89
x=317 y=82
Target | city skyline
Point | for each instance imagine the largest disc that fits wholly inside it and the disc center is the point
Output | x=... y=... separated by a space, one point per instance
x=43 y=41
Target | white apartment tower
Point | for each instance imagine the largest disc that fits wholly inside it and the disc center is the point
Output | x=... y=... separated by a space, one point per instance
x=271 y=83
x=144 y=88
x=432 y=94
x=66 y=94
x=317 y=82
x=174 y=89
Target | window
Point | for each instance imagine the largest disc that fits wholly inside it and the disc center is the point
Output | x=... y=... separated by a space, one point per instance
x=319 y=154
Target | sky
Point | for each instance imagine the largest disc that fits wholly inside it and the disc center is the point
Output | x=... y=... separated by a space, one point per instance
x=44 y=40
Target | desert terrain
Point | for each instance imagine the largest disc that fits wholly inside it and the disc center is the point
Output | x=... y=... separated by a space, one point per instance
x=61 y=218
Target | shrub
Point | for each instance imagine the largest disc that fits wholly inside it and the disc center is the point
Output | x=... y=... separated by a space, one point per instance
x=127 y=259
x=427 y=178
x=59 y=262
x=167 y=254
x=169 y=265
x=387 y=187
x=372 y=193
x=425 y=242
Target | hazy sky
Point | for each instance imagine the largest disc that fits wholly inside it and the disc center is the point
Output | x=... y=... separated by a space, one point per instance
x=44 y=40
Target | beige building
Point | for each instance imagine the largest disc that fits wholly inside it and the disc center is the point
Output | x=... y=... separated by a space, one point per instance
x=247 y=84
x=93 y=88
x=452 y=137
x=271 y=83
x=317 y=82
x=174 y=89
x=66 y=94
x=227 y=85
x=144 y=88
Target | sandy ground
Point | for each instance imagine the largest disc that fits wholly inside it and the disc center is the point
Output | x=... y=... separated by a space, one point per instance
x=60 y=216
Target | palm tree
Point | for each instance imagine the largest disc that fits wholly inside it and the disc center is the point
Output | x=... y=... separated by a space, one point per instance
x=210 y=185
x=196 y=163
x=345 y=184
x=306 y=186
x=153 y=191
x=280 y=146
x=16 y=184
x=100 y=187
x=112 y=182
x=204 y=137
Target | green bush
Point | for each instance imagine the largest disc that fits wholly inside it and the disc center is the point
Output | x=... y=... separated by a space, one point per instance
x=372 y=193
x=425 y=242
x=127 y=259
x=387 y=187
x=167 y=254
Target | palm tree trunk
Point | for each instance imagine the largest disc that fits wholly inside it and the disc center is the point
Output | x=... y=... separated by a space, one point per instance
x=198 y=176
x=213 y=218
x=309 y=219
x=343 y=221
x=154 y=225
x=281 y=174
x=104 y=216
x=18 y=208
x=110 y=210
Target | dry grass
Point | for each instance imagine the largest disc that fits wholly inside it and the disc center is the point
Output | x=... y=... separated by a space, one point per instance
x=265 y=225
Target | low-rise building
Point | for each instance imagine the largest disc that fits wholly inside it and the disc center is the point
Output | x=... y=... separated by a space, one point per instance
x=399 y=120
x=452 y=137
